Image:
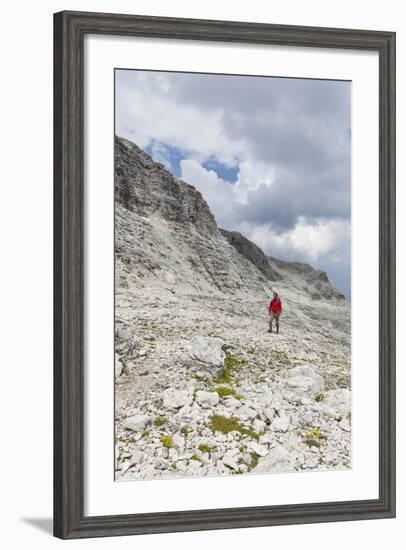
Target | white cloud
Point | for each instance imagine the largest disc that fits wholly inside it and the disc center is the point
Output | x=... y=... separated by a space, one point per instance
x=219 y=195
x=145 y=111
x=306 y=241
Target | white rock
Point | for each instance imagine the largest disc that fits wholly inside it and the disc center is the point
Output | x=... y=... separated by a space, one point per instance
x=231 y=402
x=181 y=466
x=259 y=425
x=336 y=403
x=302 y=383
x=126 y=454
x=208 y=350
x=345 y=425
x=230 y=461
x=137 y=457
x=174 y=399
x=137 y=423
x=207 y=398
x=118 y=367
x=280 y=423
x=125 y=466
x=246 y=413
x=267 y=438
x=269 y=413
x=254 y=447
x=277 y=460
x=265 y=399
x=178 y=441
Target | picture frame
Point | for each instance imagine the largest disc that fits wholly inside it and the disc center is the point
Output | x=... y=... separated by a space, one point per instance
x=70 y=28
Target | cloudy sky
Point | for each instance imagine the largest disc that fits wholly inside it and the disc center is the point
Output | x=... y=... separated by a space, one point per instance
x=271 y=156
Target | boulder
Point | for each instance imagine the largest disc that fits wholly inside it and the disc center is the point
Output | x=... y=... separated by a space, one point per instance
x=230 y=461
x=137 y=423
x=207 y=350
x=253 y=447
x=280 y=423
x=118 y=367
x=123 y=341
x=259 y=425
x=302 y=383
x=336 y=403
x=207 y=398
x=269 y=413
x=246 y=413
x=178 y=441
x=175 y=399
x=276 y=461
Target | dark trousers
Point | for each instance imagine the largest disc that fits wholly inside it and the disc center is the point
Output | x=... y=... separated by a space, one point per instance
x=274 y=317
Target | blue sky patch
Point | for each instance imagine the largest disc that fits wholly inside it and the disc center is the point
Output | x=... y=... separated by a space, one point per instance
x=167 y=155
x=226 y=173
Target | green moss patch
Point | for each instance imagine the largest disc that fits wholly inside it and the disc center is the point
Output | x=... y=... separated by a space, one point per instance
x=313 y=437
x=159 y=421
x=227 y=375
x=205 y=448
x=167 y=441
x=225 y=391
x=225 y=425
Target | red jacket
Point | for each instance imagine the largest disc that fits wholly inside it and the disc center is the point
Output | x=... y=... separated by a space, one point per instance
x=275 y=306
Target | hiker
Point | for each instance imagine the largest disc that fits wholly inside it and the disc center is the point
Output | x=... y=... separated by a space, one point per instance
x=275 y=309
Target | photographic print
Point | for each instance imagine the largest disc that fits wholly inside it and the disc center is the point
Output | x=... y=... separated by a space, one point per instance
x=232 y=275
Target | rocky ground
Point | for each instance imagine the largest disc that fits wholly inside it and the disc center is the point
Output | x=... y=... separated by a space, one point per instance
x=203 y=389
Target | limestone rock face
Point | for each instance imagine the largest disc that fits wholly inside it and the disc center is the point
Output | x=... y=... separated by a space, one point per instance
x=313 y=281
x=165 y=231
x=252 y=252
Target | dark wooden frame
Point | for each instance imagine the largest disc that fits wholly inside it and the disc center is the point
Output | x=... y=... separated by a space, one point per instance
x=69 y=31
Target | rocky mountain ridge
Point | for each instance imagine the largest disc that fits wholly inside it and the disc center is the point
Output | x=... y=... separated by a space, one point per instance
x=313 y=281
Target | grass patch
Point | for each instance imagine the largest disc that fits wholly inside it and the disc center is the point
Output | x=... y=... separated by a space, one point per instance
x=313 y=437
x=205 y=448
x=159 y=421
x=225 y=425
x=225 y=391
x=231 y=364
x=184 y=431
x=280 y=358
x=199 y=378
x=145 y=433
x=195 y=457
x=167 y=441
x=319 y=397
x=252 y=463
